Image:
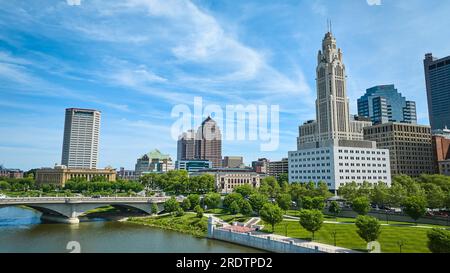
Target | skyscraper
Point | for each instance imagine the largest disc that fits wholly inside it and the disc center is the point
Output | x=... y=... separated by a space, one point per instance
x=331 y=149
x=81 y=134
x=205 y=144
x=333 y=120
x=186 y=146
x=383 y=103
x=209 y=142
x=437 y=78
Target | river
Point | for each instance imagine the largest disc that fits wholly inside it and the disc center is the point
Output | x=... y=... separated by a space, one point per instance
x=21 y=230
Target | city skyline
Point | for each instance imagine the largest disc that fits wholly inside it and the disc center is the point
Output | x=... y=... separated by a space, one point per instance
x=77 y=67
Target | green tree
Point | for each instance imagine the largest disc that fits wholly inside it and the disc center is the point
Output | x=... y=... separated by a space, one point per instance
x=234 y=207
x=415 y=207
x=313 y=202
x=171 y=205
x=269 y=186
x=271 y=214
x=230 y=198
x=334 y=208
x=186 y=204
x=439 y=240
x=361 y=205
x=258 y=200
x=412 y=187
x=297 y=190
x=322 y=190
x=397 y=193
x=201 y=184
x=150 y=180
x=311 y=220
x=244 y=190
x=246 y=208
x=179 y=212
x=369 y=228
x=282 y=179
x=284 y=201
x=435 y=196
x=364 y=190
x=194 y=200
x=4 y=185
x=199 y=211
x=349 y=191
x=318 y=203
x=379 y=194
x=307 y=202
x=154 y=208
x=212 y=200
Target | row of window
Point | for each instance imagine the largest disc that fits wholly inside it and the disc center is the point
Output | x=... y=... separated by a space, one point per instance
x=362 y=171
x=363 y=158
x=311 y=159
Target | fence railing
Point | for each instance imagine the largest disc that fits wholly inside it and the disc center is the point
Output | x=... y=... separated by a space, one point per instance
x=83 y=199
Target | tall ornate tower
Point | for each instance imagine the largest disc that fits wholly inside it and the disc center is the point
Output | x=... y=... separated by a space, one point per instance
x=332 y=106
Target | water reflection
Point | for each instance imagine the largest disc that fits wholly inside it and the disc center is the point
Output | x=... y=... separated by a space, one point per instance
x=21 y=230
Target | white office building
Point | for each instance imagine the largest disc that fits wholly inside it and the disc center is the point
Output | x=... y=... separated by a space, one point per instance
x=337 y=165
x=81 y=134
x=331 y=148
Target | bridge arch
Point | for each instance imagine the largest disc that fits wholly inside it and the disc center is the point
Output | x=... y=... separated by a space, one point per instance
x=69 y=212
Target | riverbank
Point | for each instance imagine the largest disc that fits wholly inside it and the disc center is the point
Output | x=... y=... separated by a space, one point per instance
x=188 y=223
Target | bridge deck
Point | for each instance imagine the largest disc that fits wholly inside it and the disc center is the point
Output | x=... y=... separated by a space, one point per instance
x=85 y=200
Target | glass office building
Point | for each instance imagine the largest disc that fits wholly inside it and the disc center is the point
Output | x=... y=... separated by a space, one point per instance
x=437 y=77
x=384 y=104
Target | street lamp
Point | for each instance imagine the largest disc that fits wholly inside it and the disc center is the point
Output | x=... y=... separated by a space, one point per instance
x=400 y=244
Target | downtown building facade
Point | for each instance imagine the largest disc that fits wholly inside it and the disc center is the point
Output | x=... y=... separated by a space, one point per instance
x=260 y=165
x=409 y=145
x=233 y=162
x=227 y=179
x=332 y=148
x=193 y=165
x=437 y=78
x=81 y=138
x=153 y=162
x=10 y=173
x=205 y=144
x=384 y=104
x=441 y=151
x=60 y=174
x=277 y=168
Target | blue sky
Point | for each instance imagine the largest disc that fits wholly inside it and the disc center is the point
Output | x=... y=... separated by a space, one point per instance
x=136 y=59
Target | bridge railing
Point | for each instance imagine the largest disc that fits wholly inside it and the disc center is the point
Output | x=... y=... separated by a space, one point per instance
x=83 y=199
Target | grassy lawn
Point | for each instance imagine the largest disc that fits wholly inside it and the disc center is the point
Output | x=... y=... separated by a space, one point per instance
x=415 y=239
x=216 y=211
x=188 y=223
x=229 y=218
x=295 y=213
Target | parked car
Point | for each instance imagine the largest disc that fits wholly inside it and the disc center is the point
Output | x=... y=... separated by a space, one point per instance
x=96 y=196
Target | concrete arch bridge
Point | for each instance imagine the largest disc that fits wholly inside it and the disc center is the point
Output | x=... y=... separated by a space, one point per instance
x=68 y=209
